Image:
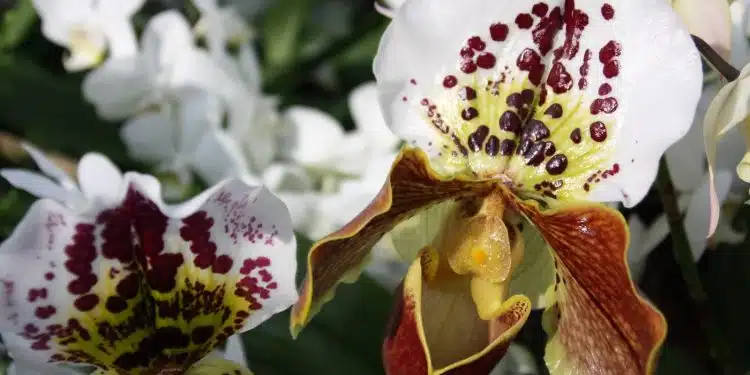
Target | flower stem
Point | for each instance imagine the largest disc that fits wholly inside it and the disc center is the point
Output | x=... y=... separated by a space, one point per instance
x=719 y=351
x=724 y=68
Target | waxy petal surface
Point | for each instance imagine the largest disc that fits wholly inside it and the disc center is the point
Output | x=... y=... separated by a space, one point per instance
x=419 y=342
x=411 y=187
x=566 y=99
x=141 y=285
x=602 y=324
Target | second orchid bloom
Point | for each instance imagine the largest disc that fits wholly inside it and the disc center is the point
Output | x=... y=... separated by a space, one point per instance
x=519 y=117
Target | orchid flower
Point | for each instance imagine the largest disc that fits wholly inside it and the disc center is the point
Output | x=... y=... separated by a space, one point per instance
x=89 y=28
x=185 y=137
x=519 y=116
x=132 y=285
x=167 y=64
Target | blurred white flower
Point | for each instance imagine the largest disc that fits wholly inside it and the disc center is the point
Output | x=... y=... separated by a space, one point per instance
x=88 y=28
x=185 y=137
x=99 y=182
x=168 y=63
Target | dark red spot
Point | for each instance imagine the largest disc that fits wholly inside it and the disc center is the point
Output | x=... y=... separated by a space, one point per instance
x=202 y=334
x=404 y=99
x=611 y=69
x=544 y=32
x=49 y=276
x=466 y=52
x=492 y=146
x=467 y=93
x=608 y=12
x=575 y=23
x=528 y=96
x=557 y=164
x=598 y=131
x=524 y=21
x=530 y=61
x=171 y=338
x=510 y=122
x=605 y=89
x=535 y=130
x=540 y=9
x=223 y=264
x=116 y=304
x=87 y=302
x=554 y=111
x=44 y=312
x=450 y=81
x=498 y=32
x=549 y=148
x=128 y=287
x=469 y=113
x=468 y=66
x=413 y=81
x=477 y=138
x=559 y=79
x=486 y=60
x=610 y=50
x=82 y=284
x=606 y=105
x=514 y=100
x=535 y=154
x=575 y=136
x=161 y=276
x=507 y=146
x=476 y=43
x=586 y=187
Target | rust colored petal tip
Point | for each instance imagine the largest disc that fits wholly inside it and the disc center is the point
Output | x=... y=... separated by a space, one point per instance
x=412 y=185
x=601 y=323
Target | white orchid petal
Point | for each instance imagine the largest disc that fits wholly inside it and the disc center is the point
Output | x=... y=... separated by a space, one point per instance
x=48 y=167
x=235 y=350
x=22 y=365
x=727 y=109
x=150 y=137
x=165 y=41
x=365 y=109
x=121 y=38
x=429 y=54
x=119 y=88
x=200 y=112
x=708 y=19
x=35 y=184
x=59 y=18
x=217 y=156
x=120 y=8
x=100 y=179
x=315 y=136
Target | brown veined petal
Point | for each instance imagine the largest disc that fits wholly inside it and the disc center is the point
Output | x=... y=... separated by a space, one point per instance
x=603 y=326
x=412 y=186
x=435 y=328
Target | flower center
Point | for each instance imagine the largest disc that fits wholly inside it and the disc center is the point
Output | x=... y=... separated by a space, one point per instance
x=528 y=101
x=477 y=240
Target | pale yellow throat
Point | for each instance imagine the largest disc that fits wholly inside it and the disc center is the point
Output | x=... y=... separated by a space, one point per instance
x=478 y=240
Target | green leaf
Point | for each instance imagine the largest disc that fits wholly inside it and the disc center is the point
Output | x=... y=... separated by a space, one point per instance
x=16 y=24
x=343 y=339
x=50 y=111
x=281 y=31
